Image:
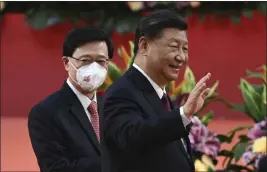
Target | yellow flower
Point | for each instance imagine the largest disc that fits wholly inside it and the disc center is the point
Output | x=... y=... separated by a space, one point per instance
x=125 y=56
x=200 y=166
x=204 y=164
x=207 y=160
x=259 y=145
x=108 y=81
x=135 y=6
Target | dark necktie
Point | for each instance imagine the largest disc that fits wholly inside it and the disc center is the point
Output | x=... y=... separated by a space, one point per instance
x=94 y=118
x=166 y=102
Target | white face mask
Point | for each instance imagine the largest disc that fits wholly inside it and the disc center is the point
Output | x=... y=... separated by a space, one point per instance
x=90 y=77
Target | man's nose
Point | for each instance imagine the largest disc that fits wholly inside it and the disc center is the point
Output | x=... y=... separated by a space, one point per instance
x=181 y=58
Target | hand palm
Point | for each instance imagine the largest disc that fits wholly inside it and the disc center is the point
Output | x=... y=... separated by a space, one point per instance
x=197 y=97
x=196 y=104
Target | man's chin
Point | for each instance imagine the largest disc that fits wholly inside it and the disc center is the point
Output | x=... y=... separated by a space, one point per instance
x=173 y=76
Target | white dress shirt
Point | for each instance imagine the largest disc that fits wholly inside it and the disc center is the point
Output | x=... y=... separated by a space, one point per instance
x=85 y=101
x=160 y=93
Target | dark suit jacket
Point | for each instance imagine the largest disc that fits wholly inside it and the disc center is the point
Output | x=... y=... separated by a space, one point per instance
x=262 y=164
x=62 y=136
x=137 y=133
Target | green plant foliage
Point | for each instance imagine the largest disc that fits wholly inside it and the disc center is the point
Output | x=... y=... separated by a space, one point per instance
x=124 y=16
x=254 y=96
x=254 y=106
x=205 y=119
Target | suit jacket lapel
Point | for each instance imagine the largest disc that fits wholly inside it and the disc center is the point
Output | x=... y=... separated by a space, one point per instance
x=78 y=111
x=148 y=90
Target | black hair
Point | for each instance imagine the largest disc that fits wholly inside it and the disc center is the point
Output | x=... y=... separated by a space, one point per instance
x=151 y=25
x=82 y=35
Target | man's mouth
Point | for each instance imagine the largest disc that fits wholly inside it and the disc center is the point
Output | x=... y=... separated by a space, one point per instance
x=176 y=67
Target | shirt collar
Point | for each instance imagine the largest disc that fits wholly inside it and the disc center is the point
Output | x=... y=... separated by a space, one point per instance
x=158 y=90
x=85 y=101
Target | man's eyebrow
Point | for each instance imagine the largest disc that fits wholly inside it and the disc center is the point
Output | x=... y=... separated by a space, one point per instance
x=90 y=56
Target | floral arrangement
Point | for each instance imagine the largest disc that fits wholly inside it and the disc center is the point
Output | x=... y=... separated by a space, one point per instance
x=202 y=140
x=254 y=106
x=257 y=148
x=204 y=164
x=205 y=143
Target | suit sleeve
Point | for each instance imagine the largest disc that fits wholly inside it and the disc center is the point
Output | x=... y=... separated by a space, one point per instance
x=49 y=147
x=126 y=128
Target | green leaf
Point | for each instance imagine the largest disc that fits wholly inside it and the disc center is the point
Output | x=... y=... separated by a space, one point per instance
x=119 y=52
x=239 y=128
x=244 y=138
x=190 y=81
x=262 y=7
x=114 y=72
x=102 y=87
x=230 y=135
x=241 y=108
x=254 y=75
x=239 y=150
x=131 y=48
x=237 y=168
x=263 y=95
x=258 y=88
x=42 y=18
x=210 y=169
x=225 y=153
x=131 y=60
x=235 y=19
x=252 y=99
x=247 y=12
x=213 y=88
x=224 y=138
x=207 y=118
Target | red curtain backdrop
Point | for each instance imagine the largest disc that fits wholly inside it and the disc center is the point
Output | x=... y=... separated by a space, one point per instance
x=31 y=66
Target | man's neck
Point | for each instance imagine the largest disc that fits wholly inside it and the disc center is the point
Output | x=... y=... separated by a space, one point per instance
x=152 y=74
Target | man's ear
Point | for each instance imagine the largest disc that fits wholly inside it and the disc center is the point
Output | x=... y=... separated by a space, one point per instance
x=65 y=61
x=143 y=46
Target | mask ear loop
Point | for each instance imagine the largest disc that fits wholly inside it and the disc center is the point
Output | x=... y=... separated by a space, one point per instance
x=71 y=76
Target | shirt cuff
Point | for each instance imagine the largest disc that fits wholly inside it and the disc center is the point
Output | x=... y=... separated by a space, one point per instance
x=185 y=120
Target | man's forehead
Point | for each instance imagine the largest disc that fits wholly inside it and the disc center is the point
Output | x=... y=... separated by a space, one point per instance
x=91 y=49
x=175 y=34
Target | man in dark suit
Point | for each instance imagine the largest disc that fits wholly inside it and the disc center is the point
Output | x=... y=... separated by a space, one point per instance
x=64 y=128
x=140 y=130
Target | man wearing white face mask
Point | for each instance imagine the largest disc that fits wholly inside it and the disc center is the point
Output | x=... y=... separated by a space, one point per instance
x=64 y=128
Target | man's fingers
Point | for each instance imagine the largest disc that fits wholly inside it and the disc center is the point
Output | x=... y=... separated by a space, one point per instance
x=200 y=89
x=203 y=80
x=205 y=93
